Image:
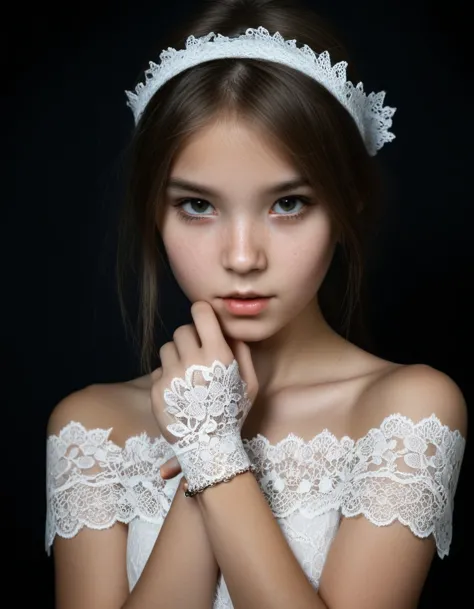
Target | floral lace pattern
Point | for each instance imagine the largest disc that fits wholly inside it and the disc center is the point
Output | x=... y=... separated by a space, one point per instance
x=402 y=470
x=93 y=482
x=373 y=119
x=207 y=418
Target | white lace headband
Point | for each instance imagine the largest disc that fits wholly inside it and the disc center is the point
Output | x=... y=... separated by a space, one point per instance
x=372 y=118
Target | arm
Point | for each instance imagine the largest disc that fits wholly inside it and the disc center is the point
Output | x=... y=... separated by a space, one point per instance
x=384 y=566
x=368 y=566
x=90 y=567
x=258 y=565
x=182 y=555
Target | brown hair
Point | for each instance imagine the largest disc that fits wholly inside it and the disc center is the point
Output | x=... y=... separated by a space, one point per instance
x=314 y=129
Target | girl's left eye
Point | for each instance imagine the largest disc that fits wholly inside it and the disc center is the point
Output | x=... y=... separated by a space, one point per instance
x=283 y=203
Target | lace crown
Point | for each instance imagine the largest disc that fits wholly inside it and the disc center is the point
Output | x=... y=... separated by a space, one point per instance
x=373 y=119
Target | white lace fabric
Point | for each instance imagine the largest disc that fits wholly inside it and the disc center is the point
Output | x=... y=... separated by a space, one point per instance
x=207 y=409
x=93 y=482
x=372 y=118
x=402 y=471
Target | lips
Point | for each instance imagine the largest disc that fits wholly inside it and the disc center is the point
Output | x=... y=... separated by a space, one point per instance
x=246 y=306
x=244 y=295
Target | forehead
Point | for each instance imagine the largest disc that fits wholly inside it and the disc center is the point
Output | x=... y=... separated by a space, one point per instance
x=232 y=149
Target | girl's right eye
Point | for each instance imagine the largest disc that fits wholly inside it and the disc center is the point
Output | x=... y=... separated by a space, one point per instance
x=196 y=205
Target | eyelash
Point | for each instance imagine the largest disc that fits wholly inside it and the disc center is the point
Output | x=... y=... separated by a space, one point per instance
x=299 y=215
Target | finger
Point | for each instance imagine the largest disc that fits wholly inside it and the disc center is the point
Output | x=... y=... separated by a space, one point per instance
x=169 y=355
x=187 y=342
x=156 y=374
x=209 y=330
x=171 y=463
x=169 y=475
x=170 y=469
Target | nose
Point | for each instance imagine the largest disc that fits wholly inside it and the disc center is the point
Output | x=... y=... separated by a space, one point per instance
x=243 y=247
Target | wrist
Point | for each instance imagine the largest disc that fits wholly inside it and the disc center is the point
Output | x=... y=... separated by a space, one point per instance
x=214 y=460
x=197 y=491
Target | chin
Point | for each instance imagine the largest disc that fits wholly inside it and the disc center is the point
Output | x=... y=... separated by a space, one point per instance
x=248 y=329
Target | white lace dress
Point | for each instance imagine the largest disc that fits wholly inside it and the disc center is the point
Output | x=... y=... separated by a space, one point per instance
x=401 y=471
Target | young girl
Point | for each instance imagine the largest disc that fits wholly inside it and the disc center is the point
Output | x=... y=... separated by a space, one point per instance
x=252 y=167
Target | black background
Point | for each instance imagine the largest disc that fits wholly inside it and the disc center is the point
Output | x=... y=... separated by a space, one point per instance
x=65 y=127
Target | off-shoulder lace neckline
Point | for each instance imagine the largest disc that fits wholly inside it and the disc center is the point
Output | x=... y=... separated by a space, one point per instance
x=291 y=436
x=393 y=460
x=346 y=438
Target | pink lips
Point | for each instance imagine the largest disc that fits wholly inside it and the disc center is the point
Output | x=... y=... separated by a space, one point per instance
x=247 y=306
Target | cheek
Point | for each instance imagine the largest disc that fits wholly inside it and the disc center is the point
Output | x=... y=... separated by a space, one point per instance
x=308 y=261
x=188 y=263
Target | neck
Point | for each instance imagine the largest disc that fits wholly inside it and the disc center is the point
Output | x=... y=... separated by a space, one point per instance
x=306 y=350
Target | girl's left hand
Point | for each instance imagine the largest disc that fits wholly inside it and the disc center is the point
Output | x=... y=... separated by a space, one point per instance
x=200 y=343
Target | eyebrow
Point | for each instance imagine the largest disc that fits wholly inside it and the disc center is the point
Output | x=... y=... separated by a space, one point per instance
x=208 y=192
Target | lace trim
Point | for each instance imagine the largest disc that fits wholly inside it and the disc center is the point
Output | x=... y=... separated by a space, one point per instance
x=401 y=471
x=93 y=482
x=372 y=118
x=207 y=409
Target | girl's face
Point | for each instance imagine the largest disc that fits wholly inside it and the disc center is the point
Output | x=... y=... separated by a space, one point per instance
x=234 y=227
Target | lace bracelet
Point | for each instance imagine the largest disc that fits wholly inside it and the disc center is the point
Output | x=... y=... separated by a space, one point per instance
x=250 y=468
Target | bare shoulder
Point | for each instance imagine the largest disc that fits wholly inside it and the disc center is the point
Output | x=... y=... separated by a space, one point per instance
x=88 y=406
x=123 y=407
x=90 y=565
x=398 y=541
x=416 y=391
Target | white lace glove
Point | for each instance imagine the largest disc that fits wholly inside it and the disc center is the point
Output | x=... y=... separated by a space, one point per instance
x=200 y=408
x=207 y=419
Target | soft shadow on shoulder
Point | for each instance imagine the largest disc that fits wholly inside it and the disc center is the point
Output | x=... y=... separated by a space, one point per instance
x=124 y=407
x=416 y=391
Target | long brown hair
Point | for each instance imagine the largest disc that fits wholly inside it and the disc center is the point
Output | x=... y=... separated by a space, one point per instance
x=306 y=121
